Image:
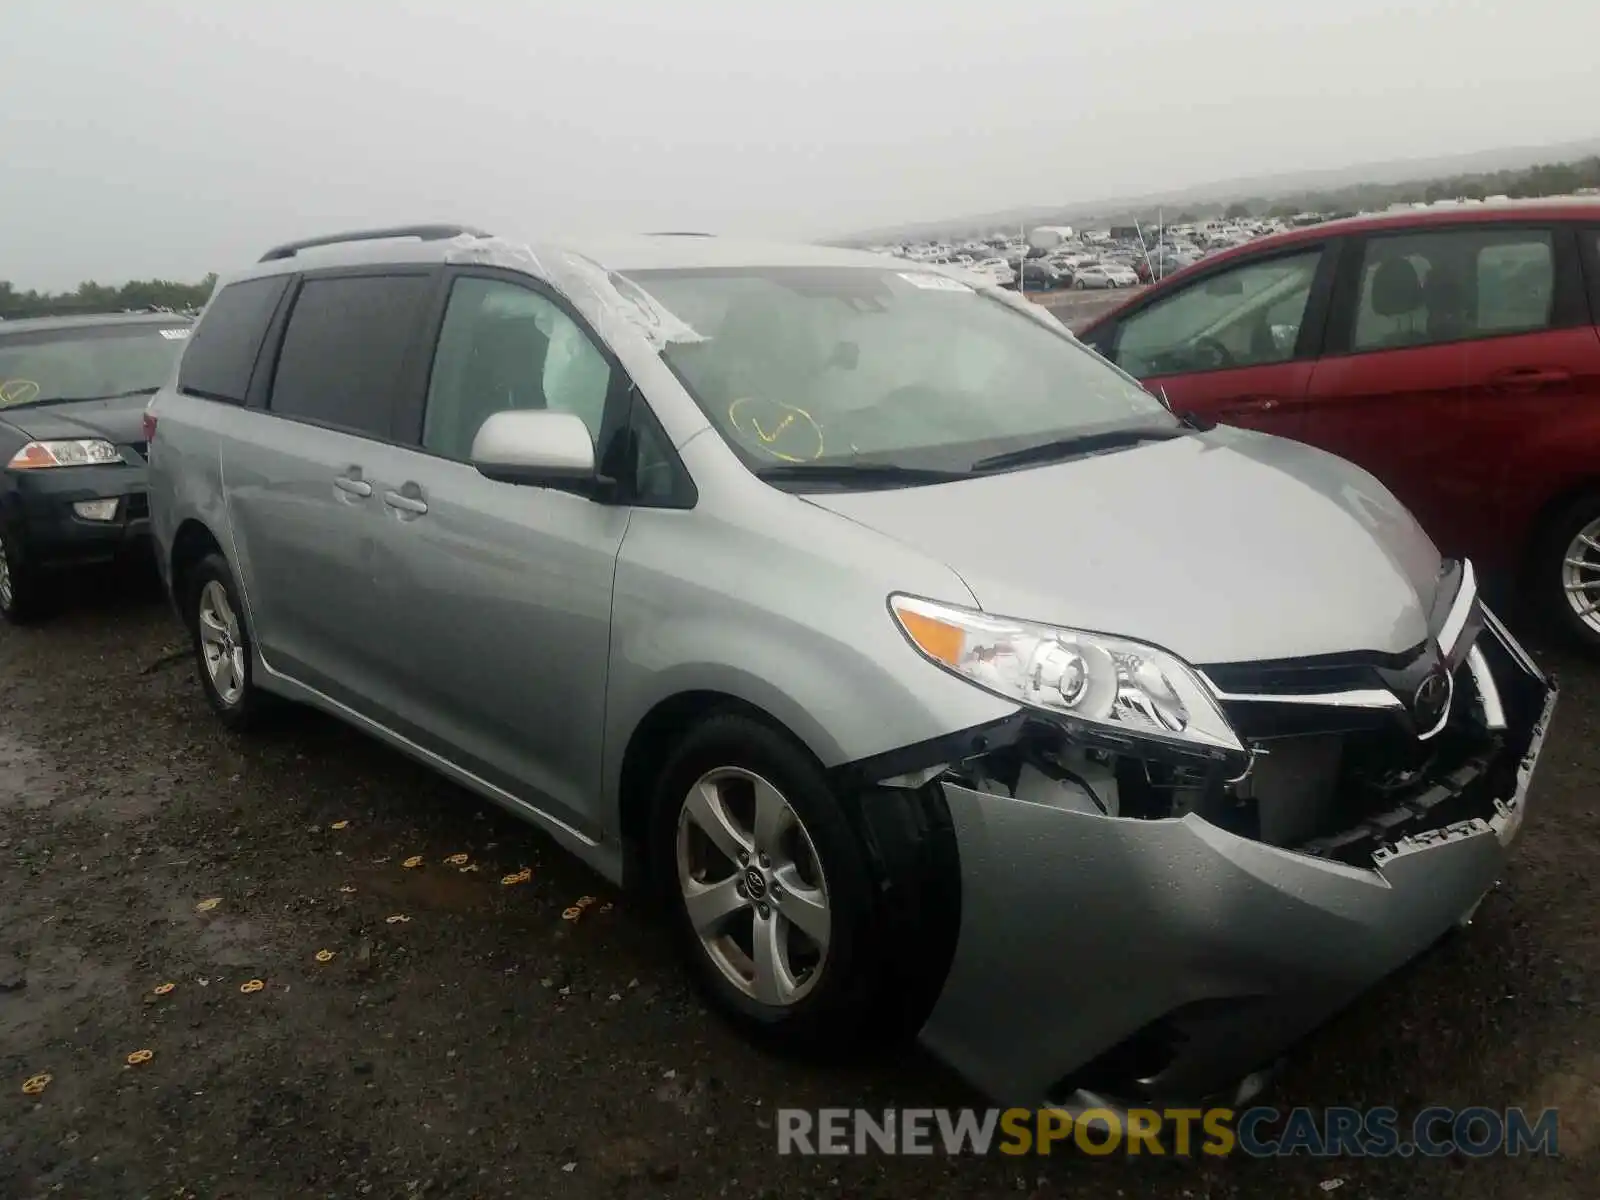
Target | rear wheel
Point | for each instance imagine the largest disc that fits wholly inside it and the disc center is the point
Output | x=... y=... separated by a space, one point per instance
x=25 y=594
x=775 y=902
x=1566 y=572
x=222 y=647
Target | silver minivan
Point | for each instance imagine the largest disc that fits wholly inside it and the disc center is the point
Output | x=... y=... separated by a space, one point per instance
x=927 y=673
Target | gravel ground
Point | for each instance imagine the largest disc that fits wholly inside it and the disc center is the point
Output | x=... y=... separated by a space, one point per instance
x=487 y=1047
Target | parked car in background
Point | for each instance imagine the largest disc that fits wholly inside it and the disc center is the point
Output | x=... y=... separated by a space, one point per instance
x=1453 y=353
x=1105 y=275
x=1036 y=273
x=72 y=490
x=706 y=558
x=995 y=270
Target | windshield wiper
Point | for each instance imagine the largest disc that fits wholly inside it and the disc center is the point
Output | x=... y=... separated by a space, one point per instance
x=880 y=474
x=143 y=391
x=1078 y=445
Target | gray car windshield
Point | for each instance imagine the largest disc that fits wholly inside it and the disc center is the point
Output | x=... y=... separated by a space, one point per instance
x=891 y=366
x=86 y=362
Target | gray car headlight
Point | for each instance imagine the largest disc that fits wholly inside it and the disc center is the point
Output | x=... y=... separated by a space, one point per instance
x=75 y=452
x=1112 y=683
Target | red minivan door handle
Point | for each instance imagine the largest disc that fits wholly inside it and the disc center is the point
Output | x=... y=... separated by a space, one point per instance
x=1529 y=377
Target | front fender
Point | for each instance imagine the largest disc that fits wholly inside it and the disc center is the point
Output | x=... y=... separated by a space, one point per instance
x=807 y=639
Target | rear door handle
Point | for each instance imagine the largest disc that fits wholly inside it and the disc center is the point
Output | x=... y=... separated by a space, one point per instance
x=401 y=502
x=1529 y=377
x=352 y=484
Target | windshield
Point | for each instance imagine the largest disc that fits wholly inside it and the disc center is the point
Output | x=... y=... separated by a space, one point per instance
x=896 y=366
x=82 y=362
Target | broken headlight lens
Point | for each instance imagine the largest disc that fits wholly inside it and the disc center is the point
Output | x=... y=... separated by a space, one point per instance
x=1111 y=683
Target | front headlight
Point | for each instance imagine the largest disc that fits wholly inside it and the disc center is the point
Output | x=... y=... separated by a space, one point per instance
x=1110 y=684
x=79 y=452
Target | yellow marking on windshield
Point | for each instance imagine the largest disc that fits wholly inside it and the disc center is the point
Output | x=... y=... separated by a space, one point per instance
x=800 y=426
x=18 y=391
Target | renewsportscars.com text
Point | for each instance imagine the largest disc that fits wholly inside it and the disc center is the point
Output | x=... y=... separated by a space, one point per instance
x=1433 y=1132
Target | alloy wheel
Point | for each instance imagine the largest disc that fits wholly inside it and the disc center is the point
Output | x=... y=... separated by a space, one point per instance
x=220 y=642
x=1580 y=575
x=753 y=886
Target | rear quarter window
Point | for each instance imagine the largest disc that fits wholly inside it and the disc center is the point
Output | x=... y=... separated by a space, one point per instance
x=222 y=350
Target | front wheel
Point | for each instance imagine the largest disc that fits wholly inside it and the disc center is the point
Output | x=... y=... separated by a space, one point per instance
x=772 y=896
x=1565 y=576
x=25 y=594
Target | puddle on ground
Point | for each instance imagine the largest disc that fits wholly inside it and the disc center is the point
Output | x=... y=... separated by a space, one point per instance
x=30 y=781
x=27 y=780
x=60 y=978
x=440 y=887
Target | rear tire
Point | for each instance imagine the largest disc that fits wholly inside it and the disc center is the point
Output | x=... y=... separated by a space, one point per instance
x=26 y=594
x=780 y=880
x=1564 y=577
x=224 y=652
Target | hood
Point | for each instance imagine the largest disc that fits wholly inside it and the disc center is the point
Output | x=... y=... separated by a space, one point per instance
x=120 y=421
x=1226 y=546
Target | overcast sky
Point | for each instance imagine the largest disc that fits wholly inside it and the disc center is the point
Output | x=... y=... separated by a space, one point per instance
x=143 y=138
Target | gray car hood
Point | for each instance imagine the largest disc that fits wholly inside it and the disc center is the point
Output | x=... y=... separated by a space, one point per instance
x=1226 y=546
x=119 y=420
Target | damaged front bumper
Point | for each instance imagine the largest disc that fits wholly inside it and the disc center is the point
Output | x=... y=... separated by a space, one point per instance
x=1124 y=957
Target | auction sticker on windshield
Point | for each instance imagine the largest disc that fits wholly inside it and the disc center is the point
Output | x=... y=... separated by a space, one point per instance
x=933 y=283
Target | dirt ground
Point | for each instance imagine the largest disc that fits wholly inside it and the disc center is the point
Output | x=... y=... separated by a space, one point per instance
x=484 y=1046
x=1076 y=309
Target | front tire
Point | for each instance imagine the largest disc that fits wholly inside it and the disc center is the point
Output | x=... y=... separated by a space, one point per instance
x=775 y=902
x=25 y=594
x=1565 y=573
x=223 y=650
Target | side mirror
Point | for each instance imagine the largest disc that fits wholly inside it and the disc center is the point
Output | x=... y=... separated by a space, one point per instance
x=537 y=447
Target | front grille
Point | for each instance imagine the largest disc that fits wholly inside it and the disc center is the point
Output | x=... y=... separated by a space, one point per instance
x=1343 y=781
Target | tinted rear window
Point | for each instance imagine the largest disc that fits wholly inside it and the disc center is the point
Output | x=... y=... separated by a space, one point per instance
x=344 y=348
x=222 y=352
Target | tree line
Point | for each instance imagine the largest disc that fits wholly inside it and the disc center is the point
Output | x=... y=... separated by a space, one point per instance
x=92 y=297
x=1544 y=179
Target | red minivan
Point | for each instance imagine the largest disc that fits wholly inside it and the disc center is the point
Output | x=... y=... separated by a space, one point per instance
x=1452 y=352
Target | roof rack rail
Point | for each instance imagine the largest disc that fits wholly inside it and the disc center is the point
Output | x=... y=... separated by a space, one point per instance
x=678 y=233
x=426 y=233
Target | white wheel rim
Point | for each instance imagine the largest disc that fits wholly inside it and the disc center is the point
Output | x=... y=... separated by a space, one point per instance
x=753 y=886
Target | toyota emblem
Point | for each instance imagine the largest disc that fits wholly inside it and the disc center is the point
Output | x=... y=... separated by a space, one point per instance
x=756 y=883
x=1432 y=700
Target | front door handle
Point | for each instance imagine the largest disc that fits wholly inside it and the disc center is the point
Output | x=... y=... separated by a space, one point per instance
x=415 y=505
x=1530 y=377
x=353 y=485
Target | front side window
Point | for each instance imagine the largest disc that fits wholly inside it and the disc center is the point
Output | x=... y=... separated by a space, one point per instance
x=344 y=348
x=808 y=365
x=1420 y=289
x=503 y=346
x=87 y=362
x=1248 y=316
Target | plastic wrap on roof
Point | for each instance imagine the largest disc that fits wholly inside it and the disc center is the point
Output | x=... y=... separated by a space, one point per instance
x=606 y=299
